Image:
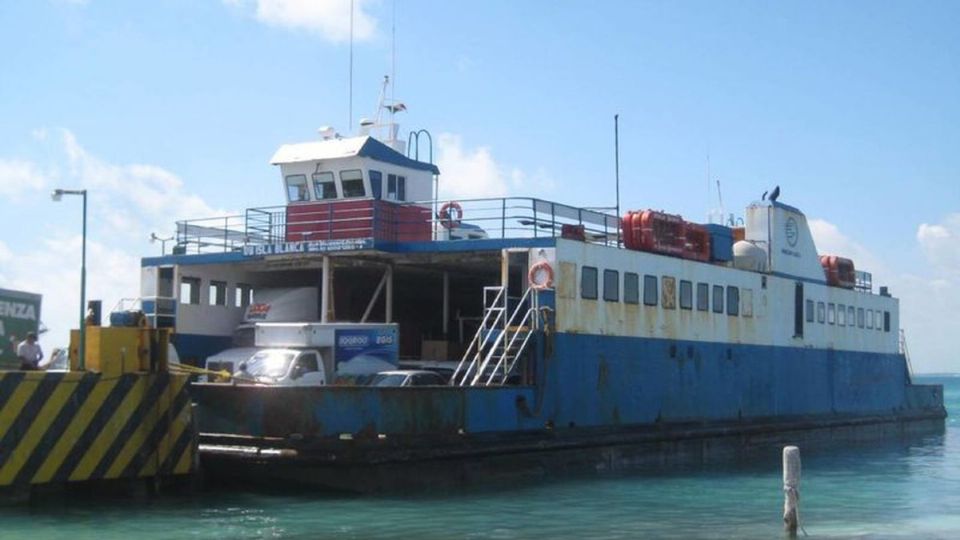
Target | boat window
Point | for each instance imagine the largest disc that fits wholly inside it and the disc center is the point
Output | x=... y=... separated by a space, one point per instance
x=686 y=294
x=831 y=313
x=611 y=285
x=718 y=298
x=631 y=288
x=809 y=310
x=351 y=182
x=649 y=290
x=396 y=187
x=189 y=290
x=376 y=184
x=669 y=296
x=859 y=317
x=588 y=283
x=243 y=295
x=703 y=296
x=886 y=321
x=218 y=293
x=841 y=315
x=324 y=186
x=877 y=321
x=746 y=302
x=851 y=316
x=870 y=319
x=821 y=312
x=733 y=300
x=297 y=188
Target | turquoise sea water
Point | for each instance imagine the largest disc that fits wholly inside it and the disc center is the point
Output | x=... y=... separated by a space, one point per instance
x=890 y=489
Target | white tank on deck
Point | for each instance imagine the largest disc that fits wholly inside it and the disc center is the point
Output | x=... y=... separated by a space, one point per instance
x=748 y=255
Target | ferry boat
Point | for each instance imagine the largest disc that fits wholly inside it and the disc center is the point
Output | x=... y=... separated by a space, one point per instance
x=565 y=331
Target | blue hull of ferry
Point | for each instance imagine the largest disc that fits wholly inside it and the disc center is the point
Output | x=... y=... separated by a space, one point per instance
x=592 y=383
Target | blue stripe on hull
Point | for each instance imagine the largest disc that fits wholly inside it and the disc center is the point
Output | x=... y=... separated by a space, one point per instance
x=599 y=380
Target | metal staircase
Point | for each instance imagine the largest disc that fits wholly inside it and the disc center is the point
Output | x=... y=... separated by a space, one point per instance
x=501 y=340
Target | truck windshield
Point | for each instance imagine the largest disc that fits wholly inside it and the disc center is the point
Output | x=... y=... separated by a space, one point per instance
x=272 y=364
x=389 y=379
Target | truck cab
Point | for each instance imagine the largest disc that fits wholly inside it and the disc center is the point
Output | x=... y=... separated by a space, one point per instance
x=283 y=367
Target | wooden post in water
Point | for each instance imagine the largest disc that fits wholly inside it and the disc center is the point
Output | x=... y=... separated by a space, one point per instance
x=791 y=489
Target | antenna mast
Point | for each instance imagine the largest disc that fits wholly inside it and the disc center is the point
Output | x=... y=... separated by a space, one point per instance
x=350 y=121
x=616 y=158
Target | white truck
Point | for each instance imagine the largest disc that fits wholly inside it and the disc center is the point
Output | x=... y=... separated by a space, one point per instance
x=316 y=354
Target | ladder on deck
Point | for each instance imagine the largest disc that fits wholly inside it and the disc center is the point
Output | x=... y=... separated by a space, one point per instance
x=501 y=340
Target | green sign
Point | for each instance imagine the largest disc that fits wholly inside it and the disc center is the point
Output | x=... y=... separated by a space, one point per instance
x=19 y=314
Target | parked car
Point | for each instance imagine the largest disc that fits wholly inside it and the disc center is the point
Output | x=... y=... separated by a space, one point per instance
x=408 y=377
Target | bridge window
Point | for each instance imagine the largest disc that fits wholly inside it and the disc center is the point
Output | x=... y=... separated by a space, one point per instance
x=351 y=182
x=809 y=310
x=870 y=319
x=243 y=295
x=718 y=298
x=649 y=290
x=396 y=187
x=703 y=296
x=831 y=313
x=841 y=315
x=611 y=285
x=733 y=300
x=886 y=321
x=851 y=316
x=879 y=319
x=686 y=294
x=376 y=184
x=588 y=283
x=669 y=296
x=821 y=312
x=189 y=290
x=324 y=186
x=859 y=317
x=297 y=188
x=218 y=293
x=631 y=288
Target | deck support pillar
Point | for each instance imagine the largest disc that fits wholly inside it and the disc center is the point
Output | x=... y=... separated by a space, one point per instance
x=388 y=316
x=325 y=291
x=446 y=303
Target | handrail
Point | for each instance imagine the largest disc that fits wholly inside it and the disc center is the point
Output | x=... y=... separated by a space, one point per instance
x=493 y=348
x=476 y=338
x=505 y=217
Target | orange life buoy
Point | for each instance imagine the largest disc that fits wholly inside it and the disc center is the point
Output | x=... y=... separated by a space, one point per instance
x=540 y=276
x=450 y=214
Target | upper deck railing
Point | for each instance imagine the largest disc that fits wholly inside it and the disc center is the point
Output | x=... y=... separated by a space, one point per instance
x=507 y=217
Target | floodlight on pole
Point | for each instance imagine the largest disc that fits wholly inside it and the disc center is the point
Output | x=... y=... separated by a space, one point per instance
x=57 y=195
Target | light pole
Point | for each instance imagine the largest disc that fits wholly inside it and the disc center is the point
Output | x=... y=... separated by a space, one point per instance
x=56 y=196
x=163 y=242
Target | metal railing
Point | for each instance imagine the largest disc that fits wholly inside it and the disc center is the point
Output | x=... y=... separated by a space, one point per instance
x=507 y=217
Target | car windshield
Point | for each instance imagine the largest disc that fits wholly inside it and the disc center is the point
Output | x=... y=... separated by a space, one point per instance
x=389 y=379
x=269 y=364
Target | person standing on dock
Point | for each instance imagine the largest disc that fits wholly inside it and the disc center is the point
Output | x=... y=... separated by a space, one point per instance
x=29 y=353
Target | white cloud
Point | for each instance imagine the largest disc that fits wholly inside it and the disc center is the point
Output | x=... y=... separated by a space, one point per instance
x=126 y=203
x=941 y=244
x=474 y=173
x=18 y=177
x=327 y=18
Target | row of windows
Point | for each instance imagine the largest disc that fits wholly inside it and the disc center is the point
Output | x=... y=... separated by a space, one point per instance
x=351 y=186
x=850 y=316
x=190 y=293
x=663 y=291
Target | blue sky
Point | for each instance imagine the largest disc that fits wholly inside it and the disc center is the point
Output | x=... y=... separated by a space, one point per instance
x=169 y=110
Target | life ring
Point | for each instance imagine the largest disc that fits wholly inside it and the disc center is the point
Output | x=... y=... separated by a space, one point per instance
x=451 y=213
x=540 y=276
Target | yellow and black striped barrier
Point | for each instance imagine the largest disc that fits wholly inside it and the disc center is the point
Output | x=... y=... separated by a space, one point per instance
x=76 y=426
